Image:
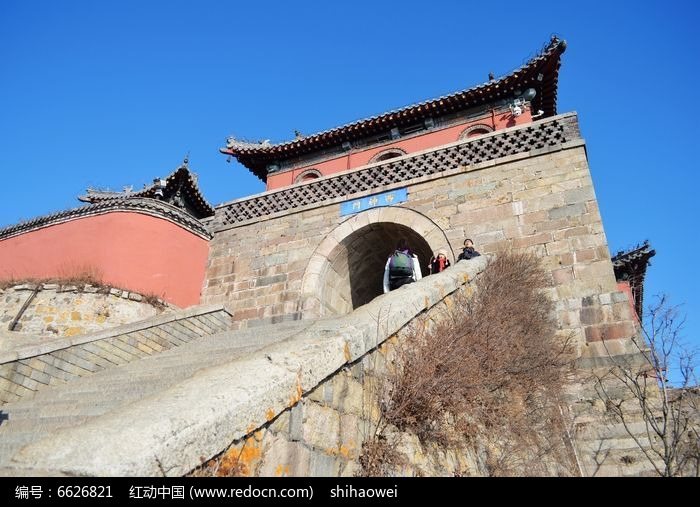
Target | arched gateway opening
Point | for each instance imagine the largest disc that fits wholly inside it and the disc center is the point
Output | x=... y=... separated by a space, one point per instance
x=353 y=276
x=347 y=268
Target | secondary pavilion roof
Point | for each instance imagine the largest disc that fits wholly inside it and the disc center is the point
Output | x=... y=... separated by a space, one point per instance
x=179 y=189
x=540 y=73
x=631 y=266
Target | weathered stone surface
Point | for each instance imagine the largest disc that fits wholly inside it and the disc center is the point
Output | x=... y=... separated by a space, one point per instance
x=233 y=399
x=321 y=428
x=81 y=310
x=299 y=265
x=87 y=354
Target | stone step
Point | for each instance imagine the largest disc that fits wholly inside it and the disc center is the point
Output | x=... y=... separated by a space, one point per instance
x=116 y=382
x=38 y=425
x=112 y=380
x=69 y=405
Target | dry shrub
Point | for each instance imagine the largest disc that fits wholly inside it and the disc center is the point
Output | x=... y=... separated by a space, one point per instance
x=379 y=457
x=78 y=281
x=155 y=301
x=230 y=463
x=80 y=273
x=81 y=280
x=492 y=367
x=220 y=467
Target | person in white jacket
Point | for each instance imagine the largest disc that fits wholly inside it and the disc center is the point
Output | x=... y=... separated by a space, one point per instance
x=402 y=267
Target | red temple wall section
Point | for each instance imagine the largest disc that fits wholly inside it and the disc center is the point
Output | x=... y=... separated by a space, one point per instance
x=625 y=287
x=413 y=144
x=133 y=251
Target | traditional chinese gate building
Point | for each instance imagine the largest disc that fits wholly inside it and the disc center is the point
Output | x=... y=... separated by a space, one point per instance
x=495 y=163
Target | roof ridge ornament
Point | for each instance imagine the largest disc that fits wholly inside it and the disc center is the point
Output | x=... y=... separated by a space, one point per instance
x=181 y=183
x=258 y=156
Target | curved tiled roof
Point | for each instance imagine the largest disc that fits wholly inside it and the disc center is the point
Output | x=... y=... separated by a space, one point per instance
x=181 y=179
x=541 y=73
x=143 y=205
x=637 y=255
x=631 y=266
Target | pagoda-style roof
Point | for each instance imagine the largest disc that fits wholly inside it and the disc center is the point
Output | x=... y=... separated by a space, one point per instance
x=179 y=189
x=631 y=266
x=540 y=73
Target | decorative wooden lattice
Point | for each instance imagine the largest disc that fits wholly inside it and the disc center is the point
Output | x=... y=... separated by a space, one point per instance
x=472 y=151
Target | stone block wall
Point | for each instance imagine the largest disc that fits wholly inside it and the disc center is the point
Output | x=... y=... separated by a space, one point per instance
x=322 y=434
x=266 y=269
x=172 y=431
x=69 y=310
x=303 y=405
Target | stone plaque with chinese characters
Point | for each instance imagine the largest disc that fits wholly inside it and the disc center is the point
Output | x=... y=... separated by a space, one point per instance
x=373 y=201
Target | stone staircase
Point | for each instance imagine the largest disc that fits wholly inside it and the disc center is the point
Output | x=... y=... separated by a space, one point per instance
x=110 y=391
x=40 y=363
x=164 y=414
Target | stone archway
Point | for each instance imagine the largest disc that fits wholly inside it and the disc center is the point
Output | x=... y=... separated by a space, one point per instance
x=346 y=269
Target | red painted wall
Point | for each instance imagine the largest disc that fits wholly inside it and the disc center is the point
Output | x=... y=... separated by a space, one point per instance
x=625 y=287
x=133 y=251
x=433 y=139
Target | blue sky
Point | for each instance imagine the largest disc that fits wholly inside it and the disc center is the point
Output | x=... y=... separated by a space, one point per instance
x=115 y=93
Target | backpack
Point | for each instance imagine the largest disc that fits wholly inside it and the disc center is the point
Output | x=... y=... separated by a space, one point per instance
x=401 y=264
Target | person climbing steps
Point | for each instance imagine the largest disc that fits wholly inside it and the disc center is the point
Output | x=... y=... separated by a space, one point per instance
x=402 y=267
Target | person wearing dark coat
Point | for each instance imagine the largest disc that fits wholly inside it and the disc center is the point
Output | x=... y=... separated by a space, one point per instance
x=439 y=263
x=468 y=251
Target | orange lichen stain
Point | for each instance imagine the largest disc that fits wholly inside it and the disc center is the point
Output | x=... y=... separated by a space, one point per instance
x=331 y=451
x=470 y=291
x=72 y=331
x=270 y=415
x=344 y=451
x=258 y=435
x=75 y=316
x=426 y=302
x=100 y=319
x=346 y=351
x=282 y=471
x=78 y=302
x=465 y=277
x=251 y=451
x=241 y=459
x=449 y=303
x=48 y=318
x=296 y=397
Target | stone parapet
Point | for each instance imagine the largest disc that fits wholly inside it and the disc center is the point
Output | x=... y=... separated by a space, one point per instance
x=42 y=309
